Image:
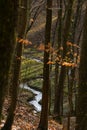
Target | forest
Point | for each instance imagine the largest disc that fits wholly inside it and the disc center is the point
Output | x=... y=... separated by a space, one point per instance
x=43 y=65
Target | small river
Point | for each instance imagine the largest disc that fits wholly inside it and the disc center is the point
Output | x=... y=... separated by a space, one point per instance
x=37 y=98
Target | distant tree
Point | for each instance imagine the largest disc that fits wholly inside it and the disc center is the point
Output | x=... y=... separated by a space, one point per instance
x=43 y=125
x=35 y=9
x=81 y=119
x=59 y=34
x=8 y=19
x=76 y=18
x=75 y=39
x=60 y=85
x=21 y=26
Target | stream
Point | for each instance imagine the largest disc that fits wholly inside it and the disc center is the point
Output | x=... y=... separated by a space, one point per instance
x=37 y=98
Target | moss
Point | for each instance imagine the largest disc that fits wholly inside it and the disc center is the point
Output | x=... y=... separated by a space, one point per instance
x=25 y=95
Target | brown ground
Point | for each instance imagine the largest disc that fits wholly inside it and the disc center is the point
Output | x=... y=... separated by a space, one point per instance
x=25 y=118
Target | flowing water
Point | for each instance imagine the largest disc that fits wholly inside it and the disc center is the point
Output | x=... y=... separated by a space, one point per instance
x=37 y=98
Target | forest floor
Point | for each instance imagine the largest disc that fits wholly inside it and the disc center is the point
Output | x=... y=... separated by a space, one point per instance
x=25 y=117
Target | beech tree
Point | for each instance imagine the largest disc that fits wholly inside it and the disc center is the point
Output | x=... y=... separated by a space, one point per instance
x=81 y=120
x=43 y=125
x=8 y=19
x=60 y=85
x=59 y=31
x=21 y=26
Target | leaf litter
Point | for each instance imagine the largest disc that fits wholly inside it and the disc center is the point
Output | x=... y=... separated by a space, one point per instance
x=26 y=118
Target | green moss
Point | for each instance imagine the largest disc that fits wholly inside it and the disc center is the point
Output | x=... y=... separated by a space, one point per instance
x=25 y=95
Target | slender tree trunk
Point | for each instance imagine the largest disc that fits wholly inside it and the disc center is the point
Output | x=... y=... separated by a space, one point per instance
x=59 y=90
x=59 y=45
x=70 y=91
x=43 y=125
x=75 y=50
x=81 y=119
x=8 y=18
x=76 y=20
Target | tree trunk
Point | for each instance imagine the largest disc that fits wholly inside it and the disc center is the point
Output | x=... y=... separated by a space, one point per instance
x=59 y=45
x=15 y=83
x=76 y=20
x=59 y=90
x=8 y=18
x=43 y=125
x=22 y=18
x=81 y=119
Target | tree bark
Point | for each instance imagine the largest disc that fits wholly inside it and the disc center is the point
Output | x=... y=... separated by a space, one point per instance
x=59 y=90
x=22 y=18
x=8 y=18
x=59 y=45
x=81 y=119
x=43 y=125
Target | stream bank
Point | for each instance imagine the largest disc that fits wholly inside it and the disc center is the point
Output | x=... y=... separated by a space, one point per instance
x=36 y=99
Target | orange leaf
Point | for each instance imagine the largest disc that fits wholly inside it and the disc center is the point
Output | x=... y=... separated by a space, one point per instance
x=69 y=43
x=76 y=46
x=41 y=47
x=75 y=54
x=50 y=62
x=61 y=48
x=20 y=40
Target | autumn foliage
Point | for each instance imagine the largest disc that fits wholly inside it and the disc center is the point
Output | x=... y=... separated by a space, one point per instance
x=24 y=41
x=57 y=56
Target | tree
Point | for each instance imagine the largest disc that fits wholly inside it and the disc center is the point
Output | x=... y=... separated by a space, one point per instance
x=58 y=53
x=43 y=125
x=22 y=18
x=8 y=19
x=76 y=19
x=81 y=119
x=34 y=11
x=65 y=34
